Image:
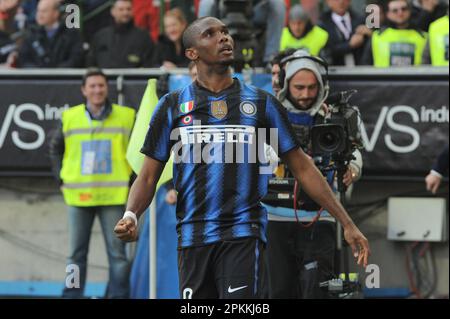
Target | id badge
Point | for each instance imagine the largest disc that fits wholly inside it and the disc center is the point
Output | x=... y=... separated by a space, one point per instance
x=402 y=54
x=88 y=163
x=96 y=157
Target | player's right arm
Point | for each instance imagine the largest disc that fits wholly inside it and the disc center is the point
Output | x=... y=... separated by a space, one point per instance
x=156 y=147
x=140 y=197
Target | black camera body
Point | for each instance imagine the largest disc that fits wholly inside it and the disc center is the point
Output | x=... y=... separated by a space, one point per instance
x=330 y=141
x=339 y=135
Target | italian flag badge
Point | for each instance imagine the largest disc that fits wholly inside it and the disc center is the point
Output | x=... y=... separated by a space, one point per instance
x=187 y=107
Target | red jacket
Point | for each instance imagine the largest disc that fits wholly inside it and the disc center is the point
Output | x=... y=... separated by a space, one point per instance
x=146 y=16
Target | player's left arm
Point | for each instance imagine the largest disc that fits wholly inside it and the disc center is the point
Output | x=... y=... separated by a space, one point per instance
x=313 y=182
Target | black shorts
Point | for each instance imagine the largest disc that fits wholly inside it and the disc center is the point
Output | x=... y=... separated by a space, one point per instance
x=232 y=269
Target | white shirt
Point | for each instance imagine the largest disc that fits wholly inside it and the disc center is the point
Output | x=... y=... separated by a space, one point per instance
x=346 y=30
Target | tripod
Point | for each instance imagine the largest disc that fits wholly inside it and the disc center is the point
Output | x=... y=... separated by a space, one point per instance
x=341 y=164
x=342 y=247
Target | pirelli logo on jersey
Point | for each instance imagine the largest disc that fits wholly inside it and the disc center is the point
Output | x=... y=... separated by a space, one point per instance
x=199 y=134
x=224 y=144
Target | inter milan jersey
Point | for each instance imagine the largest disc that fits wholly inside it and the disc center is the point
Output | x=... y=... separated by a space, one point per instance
x=220 y=169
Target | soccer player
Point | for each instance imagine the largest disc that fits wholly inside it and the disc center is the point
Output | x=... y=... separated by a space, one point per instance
x=221 y=222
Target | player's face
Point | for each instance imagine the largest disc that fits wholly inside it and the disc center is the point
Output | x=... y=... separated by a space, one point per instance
x=304 y=88
x=214 y=44
x=95 y=90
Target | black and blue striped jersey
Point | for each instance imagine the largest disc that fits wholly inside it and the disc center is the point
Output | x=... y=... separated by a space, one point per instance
x=220 y=170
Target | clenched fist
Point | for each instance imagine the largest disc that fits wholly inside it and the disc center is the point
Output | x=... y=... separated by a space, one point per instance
x=126 y=229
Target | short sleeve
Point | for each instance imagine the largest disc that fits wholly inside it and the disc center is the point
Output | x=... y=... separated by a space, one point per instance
x=157 y=144
x=276 y=117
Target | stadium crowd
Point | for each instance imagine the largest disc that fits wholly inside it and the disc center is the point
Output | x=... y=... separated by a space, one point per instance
x=142 y=33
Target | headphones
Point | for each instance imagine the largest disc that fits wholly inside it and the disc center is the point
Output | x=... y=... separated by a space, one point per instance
x=298 y=55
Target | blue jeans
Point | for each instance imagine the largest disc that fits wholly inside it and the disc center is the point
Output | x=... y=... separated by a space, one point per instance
x=267 y=12
x=81 y=220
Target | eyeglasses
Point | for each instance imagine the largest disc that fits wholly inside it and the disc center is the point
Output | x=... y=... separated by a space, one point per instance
x=402 y=9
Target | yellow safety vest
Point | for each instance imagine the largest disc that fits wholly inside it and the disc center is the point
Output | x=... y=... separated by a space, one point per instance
x=95 y=171
x=394 y=47
x=314 y=41
x=438 y=33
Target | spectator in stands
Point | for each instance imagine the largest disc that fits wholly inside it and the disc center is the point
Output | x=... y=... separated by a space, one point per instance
x=424 y=12
x=121 y=45
x=302 y=34
x=268 y=13
x=8 y=9
x=6 y=47
x=26 y=13
x=399 y=42
x=50 y=44
x=170 y=50
x=101 y=18
x=347 y=33
x=440 y=168
x=146 y=16
x=436 y=50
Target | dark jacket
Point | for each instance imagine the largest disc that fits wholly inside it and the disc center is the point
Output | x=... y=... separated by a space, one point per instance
x=56 y=144
x=337 y=46
x=166 y=51
x=422 y=18
x=441 y=163
x=63 y=50
x=6 y=46
x=123 y=46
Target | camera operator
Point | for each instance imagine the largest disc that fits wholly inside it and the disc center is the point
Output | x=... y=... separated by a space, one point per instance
x=301 y=248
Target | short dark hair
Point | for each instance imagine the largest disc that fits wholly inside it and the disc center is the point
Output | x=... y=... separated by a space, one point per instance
x=191 y=31
x=92 y=72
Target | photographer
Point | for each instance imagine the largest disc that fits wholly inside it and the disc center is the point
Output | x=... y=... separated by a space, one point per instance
x=301 y=248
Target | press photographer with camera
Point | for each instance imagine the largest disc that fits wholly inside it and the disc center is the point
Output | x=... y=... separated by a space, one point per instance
x=302 y=243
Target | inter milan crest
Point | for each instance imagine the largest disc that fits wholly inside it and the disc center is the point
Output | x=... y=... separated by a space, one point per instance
x=187 y=107
x=219 y=109
x=247 y=108
x=187 y=119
